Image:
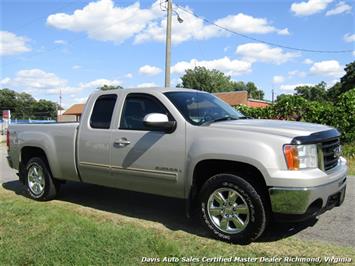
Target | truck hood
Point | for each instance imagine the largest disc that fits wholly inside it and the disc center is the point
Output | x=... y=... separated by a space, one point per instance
x=275 y=127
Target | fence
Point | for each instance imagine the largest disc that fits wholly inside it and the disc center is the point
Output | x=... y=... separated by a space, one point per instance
x=3 y=125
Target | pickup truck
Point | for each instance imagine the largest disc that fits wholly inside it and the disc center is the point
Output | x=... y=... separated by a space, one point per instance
x=237 y=173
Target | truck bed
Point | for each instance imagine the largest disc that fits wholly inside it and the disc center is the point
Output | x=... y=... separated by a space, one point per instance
x=57 y=139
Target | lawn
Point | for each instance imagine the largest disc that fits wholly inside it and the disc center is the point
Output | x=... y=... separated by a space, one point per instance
x=60 y=233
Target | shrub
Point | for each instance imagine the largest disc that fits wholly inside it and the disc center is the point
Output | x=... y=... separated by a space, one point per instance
x=296 y=108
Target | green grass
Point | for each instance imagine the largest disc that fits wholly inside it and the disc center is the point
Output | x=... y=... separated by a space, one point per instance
x=57 y=233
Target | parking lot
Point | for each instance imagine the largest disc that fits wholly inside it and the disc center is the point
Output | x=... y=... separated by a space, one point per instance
x=335 y=226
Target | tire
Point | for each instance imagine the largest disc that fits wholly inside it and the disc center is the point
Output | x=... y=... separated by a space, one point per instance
x=231 y=209
x=40 y=184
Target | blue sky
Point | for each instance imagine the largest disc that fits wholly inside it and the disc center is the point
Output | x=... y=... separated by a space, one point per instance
x=77 y=46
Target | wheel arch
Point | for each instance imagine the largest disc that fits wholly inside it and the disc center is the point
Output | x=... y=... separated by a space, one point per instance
x=206 y=168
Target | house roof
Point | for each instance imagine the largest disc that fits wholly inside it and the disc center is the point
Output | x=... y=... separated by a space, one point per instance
x=234 y=97
x=75 y=109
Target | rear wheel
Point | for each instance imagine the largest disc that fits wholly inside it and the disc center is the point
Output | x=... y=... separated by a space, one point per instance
x=231 y=209
x=39 y=181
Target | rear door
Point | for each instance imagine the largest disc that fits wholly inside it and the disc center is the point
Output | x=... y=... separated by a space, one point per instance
x=146 y=160
x=94 y=141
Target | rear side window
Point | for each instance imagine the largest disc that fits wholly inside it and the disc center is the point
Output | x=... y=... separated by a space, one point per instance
x=103 y=110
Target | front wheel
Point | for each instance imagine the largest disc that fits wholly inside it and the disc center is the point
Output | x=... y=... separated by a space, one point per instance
x=39 y=181
x=231 y=209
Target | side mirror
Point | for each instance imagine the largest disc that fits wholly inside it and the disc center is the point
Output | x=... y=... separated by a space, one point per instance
x=159 y=122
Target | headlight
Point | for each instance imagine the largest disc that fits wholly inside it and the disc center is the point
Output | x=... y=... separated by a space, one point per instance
x=301 y=156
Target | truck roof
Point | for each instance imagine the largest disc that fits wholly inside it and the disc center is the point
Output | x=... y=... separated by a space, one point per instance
x=147 y=89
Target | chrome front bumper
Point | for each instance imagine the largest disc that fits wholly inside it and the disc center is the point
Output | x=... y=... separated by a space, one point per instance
x=307 y=200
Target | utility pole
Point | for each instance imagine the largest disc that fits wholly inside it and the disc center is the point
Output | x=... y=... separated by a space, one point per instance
x=273 y=95
x=168 y=43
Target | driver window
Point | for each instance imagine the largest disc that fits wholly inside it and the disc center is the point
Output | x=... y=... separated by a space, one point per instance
x=136 y=107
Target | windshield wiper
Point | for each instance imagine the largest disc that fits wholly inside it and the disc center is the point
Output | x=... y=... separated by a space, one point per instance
x=225 y=118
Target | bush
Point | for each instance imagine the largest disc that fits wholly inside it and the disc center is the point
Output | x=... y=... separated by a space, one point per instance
x=296 y=108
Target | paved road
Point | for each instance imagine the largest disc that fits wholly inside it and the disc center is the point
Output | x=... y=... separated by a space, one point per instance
x=335 y=226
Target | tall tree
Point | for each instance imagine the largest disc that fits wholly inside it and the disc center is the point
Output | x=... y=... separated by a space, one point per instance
x=24 y=105
x=313 y=93
x=8 y=100
x=201 y=78
x=347 y=82
x=44 y=109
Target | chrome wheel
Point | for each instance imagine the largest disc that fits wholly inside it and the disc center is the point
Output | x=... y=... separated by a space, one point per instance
x=228 y=210
x=35 y=178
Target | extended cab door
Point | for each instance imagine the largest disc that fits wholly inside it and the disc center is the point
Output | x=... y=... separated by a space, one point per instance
x=145 y=160
x=94 y=140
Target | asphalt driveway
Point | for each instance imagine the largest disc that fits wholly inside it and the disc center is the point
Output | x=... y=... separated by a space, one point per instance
x=335 y=226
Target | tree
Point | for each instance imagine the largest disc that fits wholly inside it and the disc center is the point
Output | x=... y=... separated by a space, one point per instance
x=110 y=87
x=24 y=105
x=347 y=82
x=201 y=78
x=254 y=92
x=7 y=100
x=313 y=93
x=44 y=109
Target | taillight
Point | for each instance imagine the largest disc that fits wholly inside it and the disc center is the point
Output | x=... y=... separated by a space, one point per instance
x=8 y=138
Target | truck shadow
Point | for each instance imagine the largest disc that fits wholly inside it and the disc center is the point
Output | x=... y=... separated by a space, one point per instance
x=167 y=211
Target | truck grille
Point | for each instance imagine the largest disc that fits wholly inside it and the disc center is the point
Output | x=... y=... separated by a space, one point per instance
x=331 y=153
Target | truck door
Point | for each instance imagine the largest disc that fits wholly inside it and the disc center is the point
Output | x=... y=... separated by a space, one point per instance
x=94 y=140
x=145 y=160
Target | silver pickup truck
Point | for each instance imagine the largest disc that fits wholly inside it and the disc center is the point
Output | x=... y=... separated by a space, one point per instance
x=237 y=173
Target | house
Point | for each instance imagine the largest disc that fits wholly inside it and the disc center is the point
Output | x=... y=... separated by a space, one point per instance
x=73 y=113
x=234 y=98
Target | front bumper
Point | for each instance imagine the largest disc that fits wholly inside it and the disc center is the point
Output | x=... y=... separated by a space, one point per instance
x=307 y=201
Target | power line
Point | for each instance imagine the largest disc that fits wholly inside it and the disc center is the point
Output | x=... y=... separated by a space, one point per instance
x=262 y=41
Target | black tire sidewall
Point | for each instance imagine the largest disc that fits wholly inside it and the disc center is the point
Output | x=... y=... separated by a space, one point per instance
x=48 y=183
x=257 y=216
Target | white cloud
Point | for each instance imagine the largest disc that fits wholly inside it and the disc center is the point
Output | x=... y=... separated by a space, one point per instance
x=225 y=64
x=104 y=21
x=5 y=81
x=353 y=53
x=310 y=7
x=254 y=52
x=147 y=85
x=128 y=75
x=37 y=80
x=278 y=79
x=99 y=83
x=248 y=24
x=308 y=61
x=340 y=8
x=149 y=70
x=61 y=42
x=289 y=87
x=76 y=67
x=11 y=44
x=327 y=68
x=296 y=73
x=191 y=28
x=349 y=37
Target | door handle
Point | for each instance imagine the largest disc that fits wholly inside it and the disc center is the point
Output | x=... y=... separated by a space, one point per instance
x=121 y=142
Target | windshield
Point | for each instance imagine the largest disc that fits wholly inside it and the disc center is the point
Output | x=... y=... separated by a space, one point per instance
x=202 y=108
